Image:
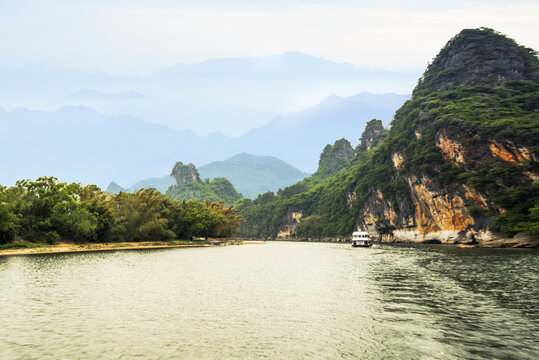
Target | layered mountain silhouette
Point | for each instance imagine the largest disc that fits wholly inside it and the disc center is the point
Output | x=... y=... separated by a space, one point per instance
x=81 y=144
x=230 y=95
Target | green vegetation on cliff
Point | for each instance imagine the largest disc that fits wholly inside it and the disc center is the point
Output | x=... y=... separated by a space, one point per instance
x=473 y=120
x=189 y=186
x=335 y=157
x=47 y=211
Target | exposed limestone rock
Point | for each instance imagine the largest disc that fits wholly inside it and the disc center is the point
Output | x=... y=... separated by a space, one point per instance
x=293 y=219
x=397 y=160
x=509 y=152
x=185 y=174
x=431 y=214
x=435 y=211
x=452 y=151
x=532 y=176
x=350 y=197
x=476 y=199
x=520 y=240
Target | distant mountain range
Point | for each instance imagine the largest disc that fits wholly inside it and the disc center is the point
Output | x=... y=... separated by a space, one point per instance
x=230 y=95
x=83 y=145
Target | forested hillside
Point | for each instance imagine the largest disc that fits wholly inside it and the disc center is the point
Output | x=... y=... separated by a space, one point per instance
x=459 y=163
x=190 y=186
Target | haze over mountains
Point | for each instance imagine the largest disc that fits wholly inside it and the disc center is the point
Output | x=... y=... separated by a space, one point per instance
x=230 y=95
x=96 y=128
x=83 y=145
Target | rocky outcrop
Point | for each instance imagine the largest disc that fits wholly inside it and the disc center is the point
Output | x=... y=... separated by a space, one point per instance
x=432 y=213
x=189 y=186
x=335 y=157
x=373 y=135
x=452 y=151
x=478 y=57
x=185 y=174
x=510 y=152
x=114 y=188
x=293 y=218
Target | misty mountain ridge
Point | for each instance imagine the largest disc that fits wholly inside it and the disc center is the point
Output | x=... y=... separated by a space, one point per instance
x=80 y=144
x=289 y=65
x=229 y=95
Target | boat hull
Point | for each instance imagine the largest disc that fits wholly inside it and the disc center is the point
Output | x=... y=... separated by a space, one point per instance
x=361 y=245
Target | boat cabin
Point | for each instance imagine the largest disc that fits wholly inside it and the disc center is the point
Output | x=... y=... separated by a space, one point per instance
x=361 y=239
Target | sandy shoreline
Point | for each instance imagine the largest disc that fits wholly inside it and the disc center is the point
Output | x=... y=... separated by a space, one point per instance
x=70 y=248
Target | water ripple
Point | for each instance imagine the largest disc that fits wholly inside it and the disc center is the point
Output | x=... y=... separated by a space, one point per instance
x=273 y=301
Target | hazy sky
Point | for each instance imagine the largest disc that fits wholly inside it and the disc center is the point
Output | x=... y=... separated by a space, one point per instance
x=141 y=36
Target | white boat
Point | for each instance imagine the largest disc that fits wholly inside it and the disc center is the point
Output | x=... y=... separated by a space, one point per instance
x=361 y=239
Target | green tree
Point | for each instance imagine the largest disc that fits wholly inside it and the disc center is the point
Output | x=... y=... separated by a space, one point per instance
x=140 y=216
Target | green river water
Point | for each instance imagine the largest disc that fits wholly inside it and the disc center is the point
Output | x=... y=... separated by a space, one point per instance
x=279 y=300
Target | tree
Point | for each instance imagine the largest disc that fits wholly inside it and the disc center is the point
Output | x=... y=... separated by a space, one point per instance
x=140 y=216
x=7 y=224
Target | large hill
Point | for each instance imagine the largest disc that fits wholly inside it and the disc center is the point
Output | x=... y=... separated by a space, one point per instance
x=253 y=175
x=189 y=186
x=459 y=163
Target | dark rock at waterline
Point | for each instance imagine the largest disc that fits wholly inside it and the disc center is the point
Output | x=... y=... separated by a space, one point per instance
x=432 y=241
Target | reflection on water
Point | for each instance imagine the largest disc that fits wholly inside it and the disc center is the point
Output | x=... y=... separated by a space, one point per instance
x=278 y=300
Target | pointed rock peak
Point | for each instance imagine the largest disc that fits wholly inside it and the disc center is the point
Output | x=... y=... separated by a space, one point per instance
x=335 y=157
x=478 y=57
x=373 y=135
x=114 y=188
x=185 y=174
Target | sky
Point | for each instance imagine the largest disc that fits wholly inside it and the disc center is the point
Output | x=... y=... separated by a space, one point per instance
x=138 y=37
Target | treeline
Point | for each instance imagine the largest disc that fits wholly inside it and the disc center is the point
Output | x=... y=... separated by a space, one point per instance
x=48 y=211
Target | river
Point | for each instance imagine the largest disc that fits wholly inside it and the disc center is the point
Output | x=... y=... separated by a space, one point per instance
x=279 y=300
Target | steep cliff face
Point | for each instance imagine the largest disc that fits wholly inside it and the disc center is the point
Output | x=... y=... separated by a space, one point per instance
x=459 y=164
x=185 y=173
x=293 y=218
x=466 y=148
x=431 y=214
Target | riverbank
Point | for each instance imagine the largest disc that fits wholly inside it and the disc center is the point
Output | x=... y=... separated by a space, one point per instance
x=70 y=247
x=519 y=241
